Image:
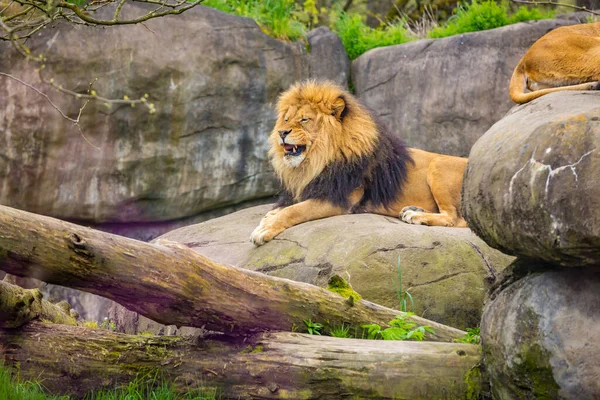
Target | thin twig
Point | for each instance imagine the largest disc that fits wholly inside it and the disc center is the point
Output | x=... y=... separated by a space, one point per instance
x=41 y=93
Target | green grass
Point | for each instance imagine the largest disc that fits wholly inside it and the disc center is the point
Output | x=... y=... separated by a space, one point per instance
x=358 y=38
x=10 y=390
x=141 y=388
x=275 y=17
x=480 y=16
x=288 y=20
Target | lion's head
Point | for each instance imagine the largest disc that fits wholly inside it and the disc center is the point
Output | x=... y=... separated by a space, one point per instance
x=318 y=123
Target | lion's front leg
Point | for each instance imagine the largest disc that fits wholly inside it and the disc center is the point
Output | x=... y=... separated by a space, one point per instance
x=273 y=224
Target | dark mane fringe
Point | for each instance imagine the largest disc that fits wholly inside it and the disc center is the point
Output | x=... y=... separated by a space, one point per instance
x=382 y=175
x=388 y=172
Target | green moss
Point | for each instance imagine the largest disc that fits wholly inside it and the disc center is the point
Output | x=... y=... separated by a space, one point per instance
x=338 y=285
x=257 y=349
x=533 y=375
x=474 y=379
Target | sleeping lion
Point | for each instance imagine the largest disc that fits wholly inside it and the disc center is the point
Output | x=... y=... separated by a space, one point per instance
x=333 y=158
x=567 y=58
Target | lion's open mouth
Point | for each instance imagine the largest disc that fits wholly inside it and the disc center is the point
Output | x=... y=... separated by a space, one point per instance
x=293 y=149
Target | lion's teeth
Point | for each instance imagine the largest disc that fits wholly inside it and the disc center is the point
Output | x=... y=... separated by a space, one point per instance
x=295 y=149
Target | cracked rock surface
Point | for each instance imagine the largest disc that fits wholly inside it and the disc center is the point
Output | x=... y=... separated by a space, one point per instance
x=447 y=270
x=532 y=185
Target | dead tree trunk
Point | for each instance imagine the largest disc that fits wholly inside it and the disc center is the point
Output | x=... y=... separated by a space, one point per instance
x=19 y=306
x=74 y=360
x=171 y=284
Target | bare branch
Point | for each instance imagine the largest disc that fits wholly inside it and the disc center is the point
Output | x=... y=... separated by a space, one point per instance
x=41 y=94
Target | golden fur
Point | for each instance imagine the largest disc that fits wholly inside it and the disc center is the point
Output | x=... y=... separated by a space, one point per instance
x=323 y=131
x=320 y=102
x=567 y=58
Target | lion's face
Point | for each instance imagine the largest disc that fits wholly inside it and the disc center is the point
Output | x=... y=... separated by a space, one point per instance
x=303 y=129
x=296 y=130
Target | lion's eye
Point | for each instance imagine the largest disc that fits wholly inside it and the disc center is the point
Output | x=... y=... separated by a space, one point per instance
x=305 y=119
x=285 y=119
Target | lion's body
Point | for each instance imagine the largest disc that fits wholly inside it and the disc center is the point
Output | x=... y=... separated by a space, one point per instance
x=333 y=158
x=567 y=58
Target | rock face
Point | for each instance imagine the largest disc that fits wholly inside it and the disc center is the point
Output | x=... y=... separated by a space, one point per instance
x=442 y=95
x=445 y=269
x=531 y=185
x=540 y=337
x=213 y=78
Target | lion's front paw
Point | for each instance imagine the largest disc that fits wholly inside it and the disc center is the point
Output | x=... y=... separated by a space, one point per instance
x=265 y=232
x=409 y=213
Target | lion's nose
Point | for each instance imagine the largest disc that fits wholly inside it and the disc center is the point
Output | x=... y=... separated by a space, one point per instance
x=283 y=134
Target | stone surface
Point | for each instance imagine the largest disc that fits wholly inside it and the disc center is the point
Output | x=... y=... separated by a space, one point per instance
x=327 y=58
x=442 y=95
x=540 y=337
x=213 y=78
x=531 y=185
x=445 y=269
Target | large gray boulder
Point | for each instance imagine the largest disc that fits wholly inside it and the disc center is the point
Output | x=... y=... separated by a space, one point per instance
x=442 y=95
x=213 y=78
x=540 y=336
x=446 y=270
x=531 y=184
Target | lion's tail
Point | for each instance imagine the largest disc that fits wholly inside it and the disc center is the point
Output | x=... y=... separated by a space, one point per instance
x=518 y=84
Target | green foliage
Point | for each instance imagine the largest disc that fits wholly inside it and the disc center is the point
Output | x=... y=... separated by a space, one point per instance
x=403 y=295
x=313 y=328
x=479 y=16
x=150 y=387
x=342 y=331
x=141 y=388
x=290 y=20
x=401 y=328
x=358 y=38
x=275 y=17
x=472 y=337
x=108 y=324
x=11 y=390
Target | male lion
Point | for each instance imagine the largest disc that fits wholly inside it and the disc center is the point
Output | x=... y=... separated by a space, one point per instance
x=567 y=58
x=333 y=158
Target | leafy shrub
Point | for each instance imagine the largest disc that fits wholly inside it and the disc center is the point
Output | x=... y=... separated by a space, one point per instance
x=400 y=329
x=358 y=38
x=275 y=17
x=472 y=336
x=480 y=16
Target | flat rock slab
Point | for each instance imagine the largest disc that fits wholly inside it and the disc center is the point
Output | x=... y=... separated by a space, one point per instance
x=532 y=187
x=445 y=269
x=540 y=337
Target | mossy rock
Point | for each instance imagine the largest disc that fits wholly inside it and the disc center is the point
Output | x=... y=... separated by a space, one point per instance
x=446 y=270
x=531 y=185
x=540 y=335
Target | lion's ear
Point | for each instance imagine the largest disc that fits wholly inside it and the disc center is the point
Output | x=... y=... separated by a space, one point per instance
x=339 y=108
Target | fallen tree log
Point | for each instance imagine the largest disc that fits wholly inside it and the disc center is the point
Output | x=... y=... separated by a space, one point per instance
x=171 y=284
x=74 y=360
x=19 y=306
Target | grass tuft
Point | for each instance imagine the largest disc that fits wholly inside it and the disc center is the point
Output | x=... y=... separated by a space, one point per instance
x=481 y=16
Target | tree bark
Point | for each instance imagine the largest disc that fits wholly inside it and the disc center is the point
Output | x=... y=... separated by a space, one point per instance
x=171 y=284
x=74 y=360
x=19 y=306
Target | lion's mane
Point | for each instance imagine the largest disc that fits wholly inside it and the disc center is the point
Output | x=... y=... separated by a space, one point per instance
x=355 y=152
